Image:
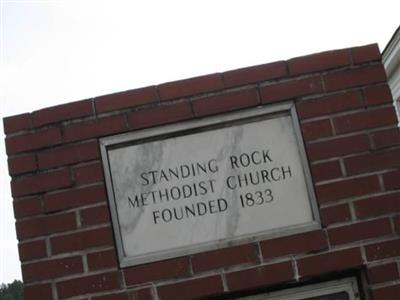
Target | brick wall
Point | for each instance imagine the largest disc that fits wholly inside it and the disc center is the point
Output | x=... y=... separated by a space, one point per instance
x=348 y=123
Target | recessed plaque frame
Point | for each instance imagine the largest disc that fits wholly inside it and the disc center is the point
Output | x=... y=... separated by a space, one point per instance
x=187 y=128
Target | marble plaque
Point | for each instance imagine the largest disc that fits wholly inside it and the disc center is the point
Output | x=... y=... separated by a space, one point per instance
x=202 y=185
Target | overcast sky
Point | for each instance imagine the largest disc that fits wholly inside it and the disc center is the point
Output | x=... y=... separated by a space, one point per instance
x=54 y=52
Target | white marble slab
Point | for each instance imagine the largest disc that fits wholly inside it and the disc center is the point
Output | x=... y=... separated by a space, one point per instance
x=203 y=190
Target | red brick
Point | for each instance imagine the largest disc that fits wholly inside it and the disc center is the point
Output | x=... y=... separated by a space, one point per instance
x=317 y=129
x=51 y=269
x=372 y=161
x=115 y=296
x=365 y=120
x=225 y=102
x=38 y=291
x=378 y=205
x=294 y=244
x=41 y=183
x=386 y=138
x=329 y=104
x=62 y=112
x=95 y=215
x=94 y=128
x=82 y=240
x=26 y=207
x=354 y=77
x=222 y=258
x=319 y=62
x=366 y=53
x=32 y=250
x=142 y=294
x=338 y=147
x=89 y=284
x=383 y=273
x=383 y=250
x=386 y=293
x=359 y=231
x=260 y=277
x=22 y=164
x=160 y=115
x=326 y=170
x=329 y=262
x=74 y=198
x=291 y=89
x=68 y=155
x=396 y=221
x=392 y=180
x=17 y=123
x=193 y=289
x=85 y=174
x=102 y=260
x=35 y=140
x=347 y=188
x=255 y=74
x=191 y=86
x=172 y=268
x=376 y=95
x=45 y=225
x=335 y=214
x=126 y=99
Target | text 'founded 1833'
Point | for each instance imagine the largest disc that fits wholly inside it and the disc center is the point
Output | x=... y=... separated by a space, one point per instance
x=183 y=191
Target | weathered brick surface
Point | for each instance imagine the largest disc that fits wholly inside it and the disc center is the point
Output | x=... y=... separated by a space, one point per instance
x=338 y=147
x=30 y=141
x=52 y=268
x=331 y=104
x=365 y=120
x=68 y=155
x=94 y=128
x=160 y=115
x=335 y=214
x=386 y=138
x=334 y=261
x=359 y=231
x=352 y=143
x=32 y=250
x=171 y=268
x=383 y=250
x=383 y=273
x=89 y=284
x=291 y=89
x=366 y=53
x=260 y=276
x=224 y=257
x=88 y=173
x=192 y=289
x=45 y=225
x=17 y=123
x=191 y=86
x=82 y=240
x=354 y=77
x=126 y=99
x=319 y=61
x=255 y=74
x=317 y=129
x=74 y=197
x=22 y=164
x=102 y=260
x=347 y=188
x=226 y=102
x=62 y=112
x=41 y=183
x=326 y=170
x=299 y=243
